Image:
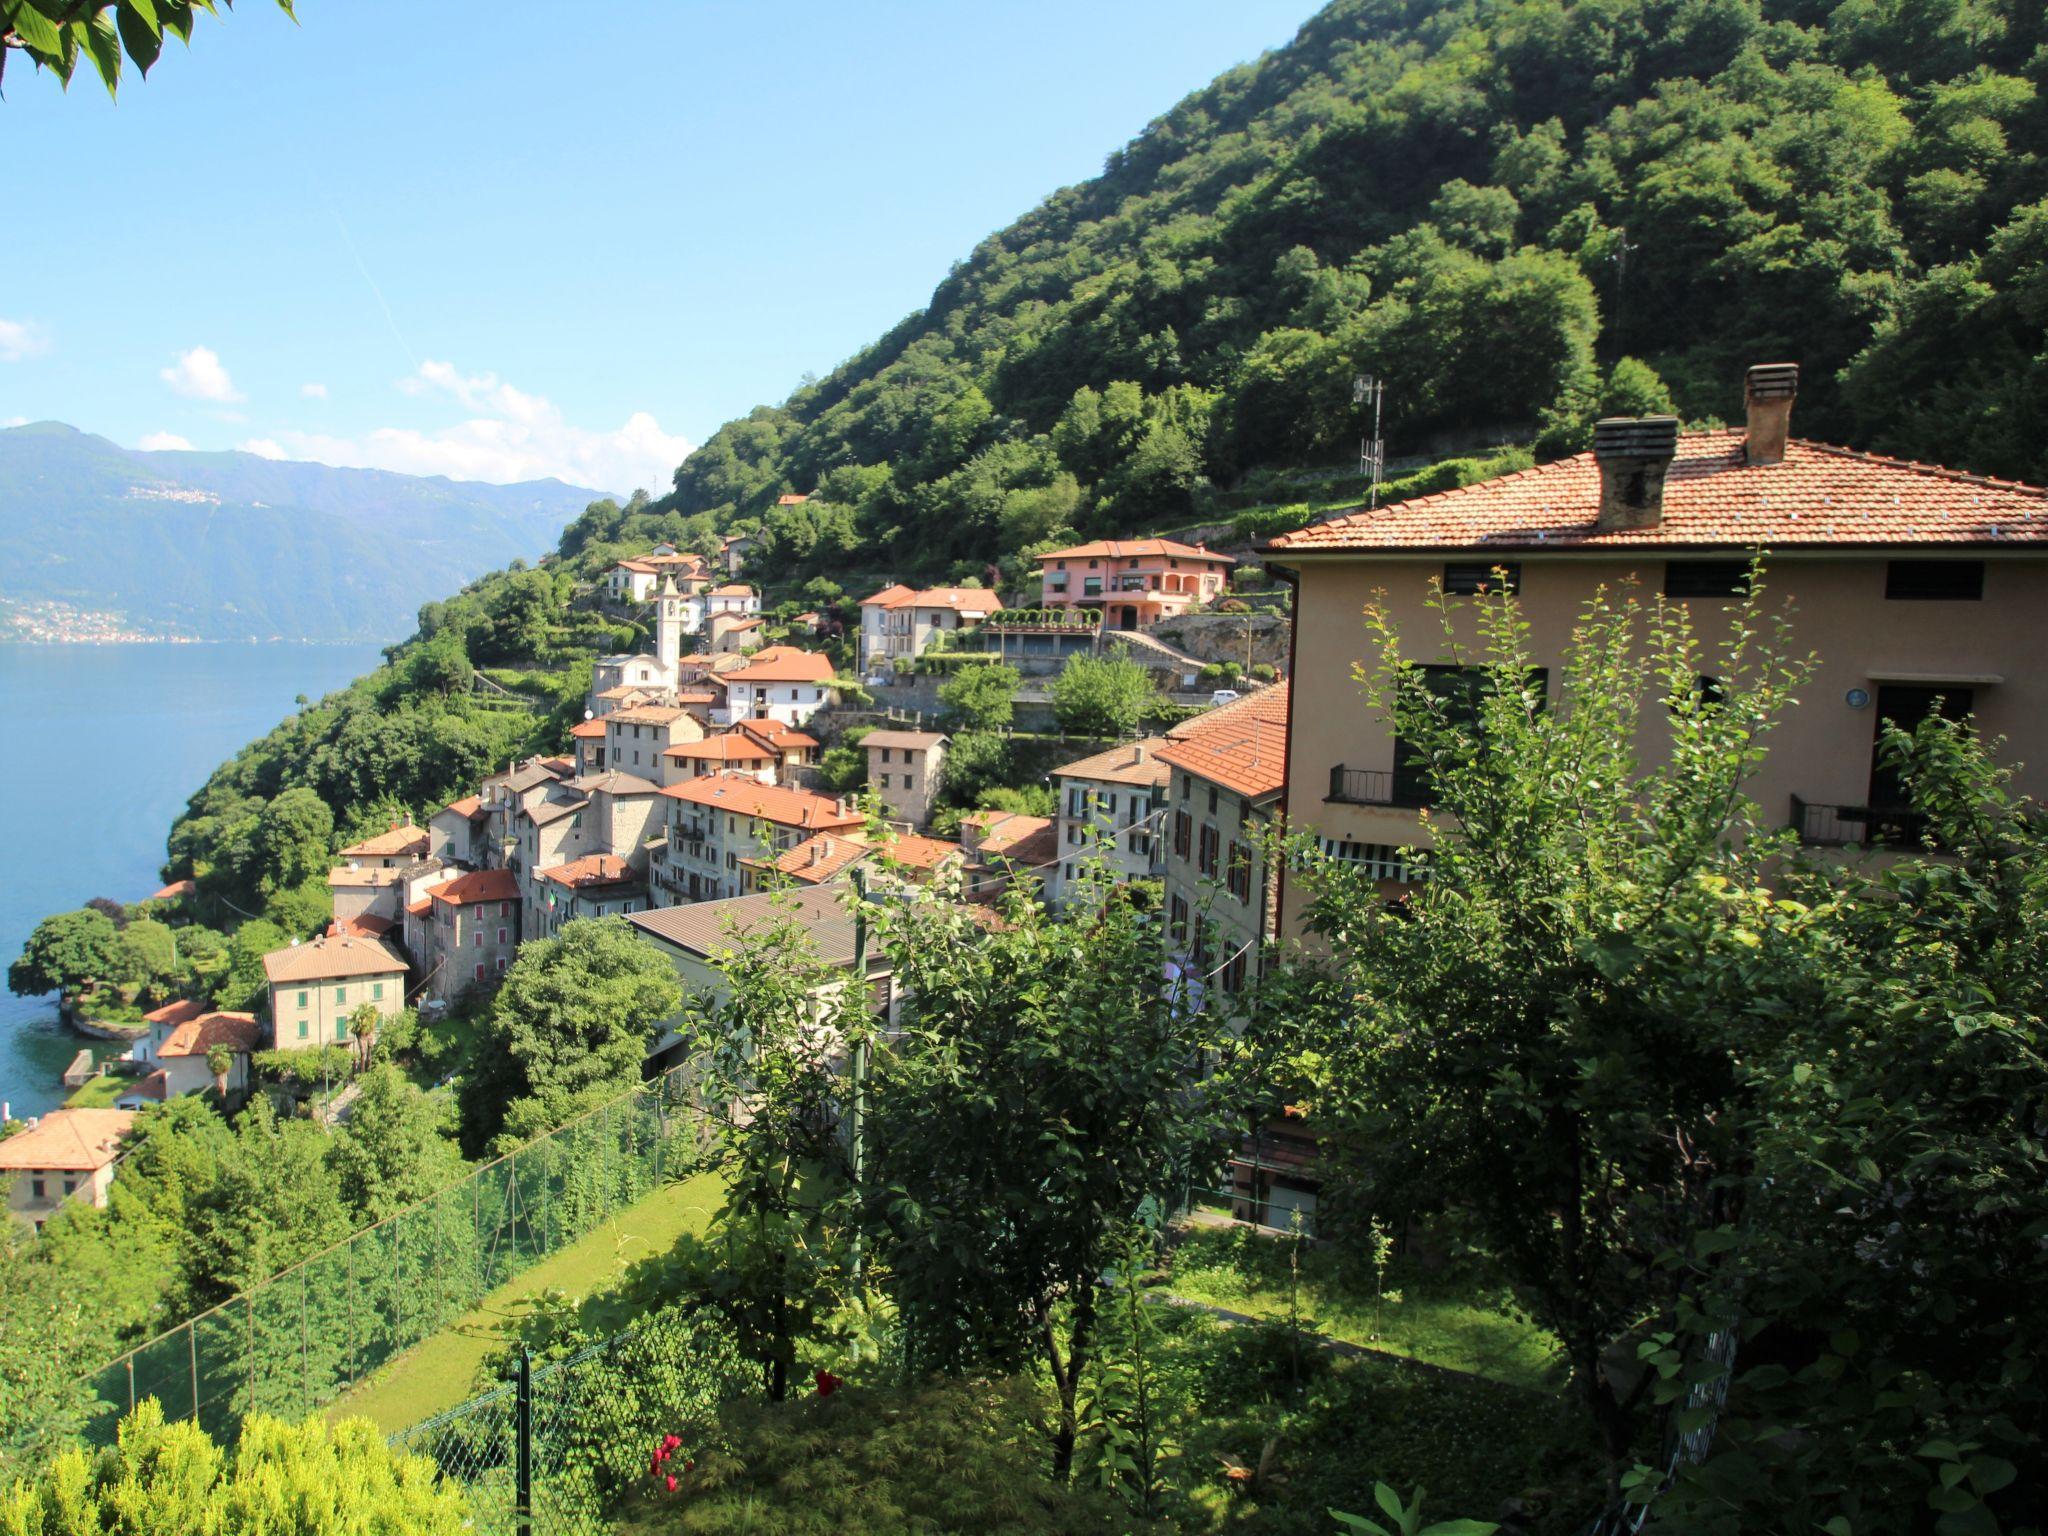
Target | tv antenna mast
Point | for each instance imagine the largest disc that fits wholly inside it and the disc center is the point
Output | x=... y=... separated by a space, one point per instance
x=1366 y=389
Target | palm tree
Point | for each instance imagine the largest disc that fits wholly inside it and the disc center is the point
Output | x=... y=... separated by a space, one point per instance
x=362 y=1028
x=220 y=1061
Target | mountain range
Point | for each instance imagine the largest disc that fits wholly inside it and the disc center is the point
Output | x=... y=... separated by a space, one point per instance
x=231 y=546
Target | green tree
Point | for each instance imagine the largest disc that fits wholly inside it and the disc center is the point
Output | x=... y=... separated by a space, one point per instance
x=220 y=1061
x=981 y=698
x=1101 y=695
x=362 y=1031
x=66 y=952
x=1545 y=1030
x=292 y=1479
x=568 y=1028
x=243 y=984
x=393 y=1151
x=57 y=33
x=293 y=840
x=1045 y=1091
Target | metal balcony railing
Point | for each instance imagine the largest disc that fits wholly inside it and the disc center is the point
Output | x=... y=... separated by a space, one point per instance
x=1843 y=826
x=1362 y=786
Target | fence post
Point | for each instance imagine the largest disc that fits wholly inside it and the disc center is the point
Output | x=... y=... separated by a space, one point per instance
x=522 y=1446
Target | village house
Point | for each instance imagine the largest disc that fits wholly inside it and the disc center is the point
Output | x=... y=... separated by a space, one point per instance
x=586 y=740
x=468 y=931
x=393 y=849
x=635 y=580
x=634 y=739
x=172 y=1057
x=607 y=813
x=698 y=939
x=1002 y=847
x=1109 y=807
x=317 y=985
x=1133 y=582
x=899 y=622
x=781 y=683
x=1229 y=769
x=903 y=771
x=459 y=833
x=733 y=751
x=715 y=821
x=735 y=634
x=1918 y=588
x=67 y=1154
x=735 y=549
x=594 y=885
x=818 y=860
x=793 y=748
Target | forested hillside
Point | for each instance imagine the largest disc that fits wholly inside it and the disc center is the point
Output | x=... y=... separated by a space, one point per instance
x=1492 y=204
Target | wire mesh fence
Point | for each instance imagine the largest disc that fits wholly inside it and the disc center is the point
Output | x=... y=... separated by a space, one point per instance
x=556 y=1448
x=301 y=1339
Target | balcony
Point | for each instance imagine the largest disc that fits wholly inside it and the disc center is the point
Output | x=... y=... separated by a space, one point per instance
x=1363 y=786
x=1845 y=826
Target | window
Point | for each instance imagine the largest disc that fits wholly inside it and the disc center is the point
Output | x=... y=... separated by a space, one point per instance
x=70 y=1186
x=1183 y=830
x=1234 y=970
x=1212 y=799
x=1073 y=835
x=1187 y=786
x=501 y=940
x=1461 y=691
x=504 y=909
x=501 y=965
x=341 y=1029
x=302 y=1029
x=377 y=990
x=885 y=781
x=1706 y=578
x=341 y=994
x=1077 y=801
x=476 y=938
x=1462 y=578
x=479 y=970
x=302 y=998
x=1239 y=871
x=1177 y=918
x=1205 y=857
x=35 y=1189
x=1376 y=861
x=1960 y=581
x=885 y=754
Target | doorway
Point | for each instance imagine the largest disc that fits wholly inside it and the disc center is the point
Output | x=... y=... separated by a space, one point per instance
x=1906 y=705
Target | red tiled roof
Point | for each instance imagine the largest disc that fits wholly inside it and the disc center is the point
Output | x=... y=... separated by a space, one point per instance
x=729 y=748
x=477 y=885
x=1127 y=549
x=420 y=907
x=468 y=806
x=775 y=733
x=783 y=664
x=588 y=730
x=790 y=501
x=402 y=839
x=590 y=870
x=332 y=959
x=1818 y=497
x=964 y=599
x=732 y=589
x=75 y=1139
x=174 y=890
x=915 y=852
x=180 y=1012
x=771 y=802
x=366 y=925
x=236 y=1031
x=1135 y=762
x=818 y=859
x=889 y=596
x=1245 y=751
x=1003 y=831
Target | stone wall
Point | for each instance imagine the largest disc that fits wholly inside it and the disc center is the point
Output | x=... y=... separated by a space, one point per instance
x=1221 y=636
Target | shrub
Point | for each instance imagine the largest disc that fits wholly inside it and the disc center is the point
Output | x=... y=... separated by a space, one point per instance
x=283 y=1479
x=1210 y=676
x=1264 y=671
x=1233 y=605
x=1257 y=524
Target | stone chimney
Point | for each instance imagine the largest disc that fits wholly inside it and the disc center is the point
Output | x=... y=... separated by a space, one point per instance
x=1633 y=453
x=1769 y=389
x=1138 y=753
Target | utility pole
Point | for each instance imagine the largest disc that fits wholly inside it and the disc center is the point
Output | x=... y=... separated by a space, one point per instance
x=1368 y=389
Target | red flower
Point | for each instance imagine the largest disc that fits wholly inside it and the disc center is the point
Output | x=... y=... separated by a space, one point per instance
x=828 y=1383
x=671 y=1442
x=671 y=1482
x=654 y=1466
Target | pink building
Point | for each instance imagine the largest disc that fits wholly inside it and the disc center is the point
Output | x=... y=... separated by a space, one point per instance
x=1133 y=581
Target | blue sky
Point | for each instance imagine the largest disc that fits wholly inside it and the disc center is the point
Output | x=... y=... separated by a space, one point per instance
x=501 y=240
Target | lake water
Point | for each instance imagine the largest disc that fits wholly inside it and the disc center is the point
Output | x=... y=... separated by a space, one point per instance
x=106 y=743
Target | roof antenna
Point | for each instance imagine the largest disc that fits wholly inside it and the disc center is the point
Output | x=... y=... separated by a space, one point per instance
x=1372 y=451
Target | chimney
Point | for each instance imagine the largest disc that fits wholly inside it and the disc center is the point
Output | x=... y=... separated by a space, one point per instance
x=1138 y=753
x=1769 y=389
x=1633 y=453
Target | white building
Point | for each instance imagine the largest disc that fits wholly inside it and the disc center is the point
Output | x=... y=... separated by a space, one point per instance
x=1109 y=810
x=781 y=683
x=898 y=622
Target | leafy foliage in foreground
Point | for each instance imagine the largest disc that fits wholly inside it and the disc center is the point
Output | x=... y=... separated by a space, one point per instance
x=282 y=1479
x=1521 y=213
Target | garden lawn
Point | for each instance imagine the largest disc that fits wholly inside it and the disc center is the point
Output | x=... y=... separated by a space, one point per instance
x=1452 y=1318
x=99 y=1092
x=441 y=1372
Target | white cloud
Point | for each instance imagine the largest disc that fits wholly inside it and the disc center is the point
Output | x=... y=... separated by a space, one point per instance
x=263 y=447
x=509 y=435
x=20 y=339
x=14 y=421
x=156 y=442
x=313 y=391
x=198 y=375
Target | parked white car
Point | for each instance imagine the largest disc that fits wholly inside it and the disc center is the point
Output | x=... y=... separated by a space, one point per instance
x=1223 y=696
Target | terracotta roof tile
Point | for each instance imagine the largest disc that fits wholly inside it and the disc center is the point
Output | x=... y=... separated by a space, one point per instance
x=180 y=1012
x=81 y=1139
x=588 y=730
x=1126 y=549
x=405 y=839
x=236 y=1031
x=331 y=959
x=1819 y=496
x=1134 y=762
x=772 y=802
x=593 y=869
x=729 y=748
x=915 y=852
x=783 y=664
x=910 y=741
x=816 y=860
x=478 y=885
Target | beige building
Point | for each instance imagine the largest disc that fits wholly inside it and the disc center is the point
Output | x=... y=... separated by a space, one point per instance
x=469 y=930
x=1222 y=806
x=67 y=1154
x=903 y=771
x=594 y=885
x=315 y=986
x=635 y=738
x=459 y=833
x=1917 y=587
x=899 y=622
x=1109 y=807
x=172 y=1057
x=716 y=821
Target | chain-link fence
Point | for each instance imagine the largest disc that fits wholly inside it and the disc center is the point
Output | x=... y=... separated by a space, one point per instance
x=299 y=1340
x=557 y=1447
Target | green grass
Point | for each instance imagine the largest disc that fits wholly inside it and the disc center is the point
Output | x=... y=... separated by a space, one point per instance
x=99 y=1092
x=441 y=1372
x=1453 y=1317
